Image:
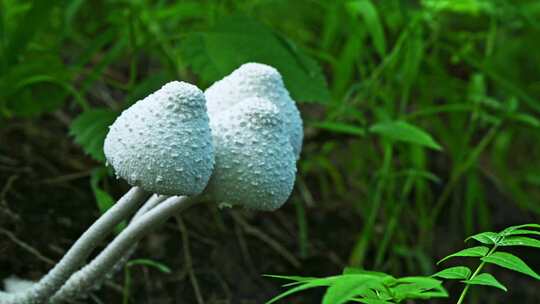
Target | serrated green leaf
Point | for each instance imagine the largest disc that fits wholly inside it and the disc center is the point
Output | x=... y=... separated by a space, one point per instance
x=235 y=40
x=403 y=131
x=520 y=241
x=510 y=261
x=36 y=87
x=454 y=273
x=485 y=279
x=350 y=286
x=90 y=129
x=150 y=263
x=369 y=14
x=488 y=238
x=478 y=251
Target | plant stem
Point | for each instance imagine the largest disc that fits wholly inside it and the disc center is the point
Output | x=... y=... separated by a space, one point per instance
x=78 y=253
x=106 y=260
x=478 y=269
x=360 y=248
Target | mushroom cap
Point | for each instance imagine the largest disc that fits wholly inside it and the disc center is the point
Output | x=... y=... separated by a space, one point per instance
x=257 y=80
x=163 y=142
x=255 y=163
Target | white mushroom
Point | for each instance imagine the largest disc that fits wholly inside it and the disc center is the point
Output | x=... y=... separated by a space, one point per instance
x=257 y=80
x=255 y=163
x=163 y=143
x=166 y=144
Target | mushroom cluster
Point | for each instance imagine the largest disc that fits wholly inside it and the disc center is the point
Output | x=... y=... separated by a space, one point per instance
x=239 y=140
x=237 y=143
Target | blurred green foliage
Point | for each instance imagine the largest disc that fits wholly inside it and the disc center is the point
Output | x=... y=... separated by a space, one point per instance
x=423 y=113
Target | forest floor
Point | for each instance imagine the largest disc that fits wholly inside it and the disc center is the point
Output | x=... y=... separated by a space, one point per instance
x=217 y=256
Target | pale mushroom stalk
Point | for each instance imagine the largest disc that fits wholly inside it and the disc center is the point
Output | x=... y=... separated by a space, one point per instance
x=70 y=290
x=79 y=252
x=107 y=259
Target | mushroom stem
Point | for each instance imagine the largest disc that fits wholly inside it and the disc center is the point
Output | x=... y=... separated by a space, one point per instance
x=117 y=249
x=155 y=200
x=79 y=252
x=70 y=290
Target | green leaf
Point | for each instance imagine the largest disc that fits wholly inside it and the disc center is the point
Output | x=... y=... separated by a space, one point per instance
x=485 y=279
x=478 y=251
x=488 y=238
x=537 y=226
x=40 y=15
x=454 y=273
x=235 y=40
x=403 y=131
x=520 y=241
x=522 y=232
x=90 y=129
x=473 y=7
x=512 y=229
x=526 y=119
x=149 y=263
x=36 y=87
x=510 y=261
x=350 y=286
x=295 y=279
x=103 y=199
x=414 y=53
x=369 y=14
x=418 y=288
x=354 y=270
x=371 y=301
x=319 y=282
x=340 y=128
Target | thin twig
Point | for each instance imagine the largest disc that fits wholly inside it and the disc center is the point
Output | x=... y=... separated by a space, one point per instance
x=66 y=178
x=244 y=249
x=252 y=230
x=26 y=246
x=189 y=262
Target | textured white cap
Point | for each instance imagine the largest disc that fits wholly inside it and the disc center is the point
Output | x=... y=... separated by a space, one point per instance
x=163 y=143
x=257 y=80
x=255 y=164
